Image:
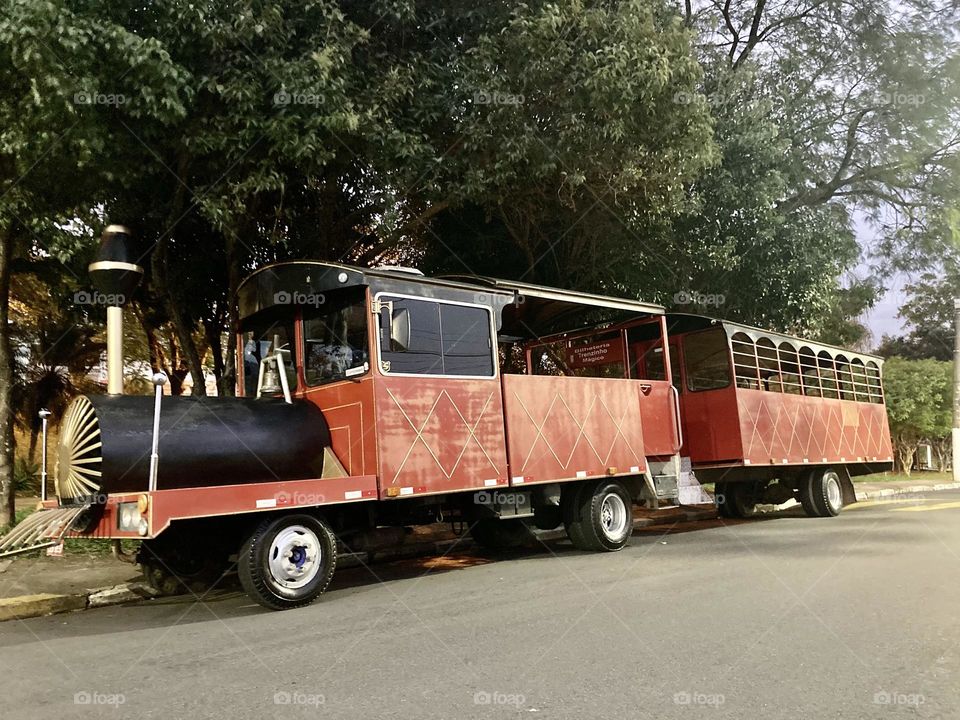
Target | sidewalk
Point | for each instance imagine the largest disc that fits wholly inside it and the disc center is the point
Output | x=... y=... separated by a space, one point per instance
x=871 y=490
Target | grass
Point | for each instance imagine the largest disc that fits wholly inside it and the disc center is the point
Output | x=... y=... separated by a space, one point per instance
x=925 y=475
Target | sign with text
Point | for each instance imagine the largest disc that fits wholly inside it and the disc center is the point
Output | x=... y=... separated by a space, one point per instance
x=605 y=352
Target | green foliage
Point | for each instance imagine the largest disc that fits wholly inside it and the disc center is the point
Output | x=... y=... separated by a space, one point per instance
x=919 y=400
x=26 y=477
x=929 y=314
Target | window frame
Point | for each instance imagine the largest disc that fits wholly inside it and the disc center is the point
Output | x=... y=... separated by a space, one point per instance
x=302 y=320
x=378 y=317
x=731 y=381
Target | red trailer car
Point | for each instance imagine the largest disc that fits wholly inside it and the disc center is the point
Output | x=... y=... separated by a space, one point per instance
x=373 y=400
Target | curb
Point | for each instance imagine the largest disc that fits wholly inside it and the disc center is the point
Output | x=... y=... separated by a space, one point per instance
x=29 y=606
x=898 y=492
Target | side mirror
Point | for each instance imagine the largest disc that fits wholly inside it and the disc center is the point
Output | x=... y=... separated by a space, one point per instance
x=400 y=329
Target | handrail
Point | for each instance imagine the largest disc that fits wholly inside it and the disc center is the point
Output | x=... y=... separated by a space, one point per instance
x=676 y=405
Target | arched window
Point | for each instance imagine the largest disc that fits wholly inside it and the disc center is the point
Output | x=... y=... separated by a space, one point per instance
x=809 y=373
x=874 y=388
x=745 y=361
x=844 y=378
x=859 y=373
x=768 y=363
x=828 y=375
x=789 y=369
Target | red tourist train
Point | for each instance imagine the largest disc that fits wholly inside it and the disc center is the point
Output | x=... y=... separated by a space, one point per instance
x=375 y=399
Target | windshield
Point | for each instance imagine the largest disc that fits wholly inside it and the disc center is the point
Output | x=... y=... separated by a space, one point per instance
x=263 y=337
x=335 y=337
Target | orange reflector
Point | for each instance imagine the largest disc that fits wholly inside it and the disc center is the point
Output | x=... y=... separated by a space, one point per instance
x=611 y=471
x=393 y=492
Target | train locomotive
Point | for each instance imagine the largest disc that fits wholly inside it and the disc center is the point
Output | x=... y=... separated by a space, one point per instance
x=371 y=400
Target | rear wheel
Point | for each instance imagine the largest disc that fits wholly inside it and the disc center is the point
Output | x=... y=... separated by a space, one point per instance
x=288 y=561
x=821 y=493
x=599 y=516
x=180 y=561
x=497 y=534
x=736 y=499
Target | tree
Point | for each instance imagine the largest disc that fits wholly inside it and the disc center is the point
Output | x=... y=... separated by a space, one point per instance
x=929 y=315
x=55 y=119
x=918 y=396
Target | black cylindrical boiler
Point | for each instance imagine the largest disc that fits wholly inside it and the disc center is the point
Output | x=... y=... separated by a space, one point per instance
x=105 y=442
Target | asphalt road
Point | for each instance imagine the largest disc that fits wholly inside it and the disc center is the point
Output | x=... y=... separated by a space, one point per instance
x=790 y=617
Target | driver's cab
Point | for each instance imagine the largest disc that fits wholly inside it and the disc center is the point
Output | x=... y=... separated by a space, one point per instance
x=323 y=338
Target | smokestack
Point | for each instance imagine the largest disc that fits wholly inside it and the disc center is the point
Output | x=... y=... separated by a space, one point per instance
x=116 y=274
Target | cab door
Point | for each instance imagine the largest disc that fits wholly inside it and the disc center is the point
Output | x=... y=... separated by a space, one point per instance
x=438 y=397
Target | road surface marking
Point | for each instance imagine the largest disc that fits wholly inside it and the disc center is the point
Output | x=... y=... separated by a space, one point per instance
x=924 y=508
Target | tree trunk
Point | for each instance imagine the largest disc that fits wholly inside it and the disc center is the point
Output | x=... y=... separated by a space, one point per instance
x=159 y=267
x=7 y=489
x=228 y=383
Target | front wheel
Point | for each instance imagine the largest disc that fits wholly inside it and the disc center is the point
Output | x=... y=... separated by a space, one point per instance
x=600 y=517
x=288 y=561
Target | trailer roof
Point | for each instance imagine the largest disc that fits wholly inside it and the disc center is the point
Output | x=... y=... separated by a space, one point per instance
x=688 y=322
x=527 y=310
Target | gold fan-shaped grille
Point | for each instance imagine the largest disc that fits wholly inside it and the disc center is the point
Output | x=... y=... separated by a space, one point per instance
x=79 y=458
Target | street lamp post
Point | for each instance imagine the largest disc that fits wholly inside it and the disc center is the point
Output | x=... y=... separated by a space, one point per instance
x=956 y=391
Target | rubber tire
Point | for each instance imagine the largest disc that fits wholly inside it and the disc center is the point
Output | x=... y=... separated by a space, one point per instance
x=819 y=484
x=548 y=517
x=496 y=534
x=722 y=496
x=806 y=493
x=164 y=568
x=735 y=495
x=253 y=566
x=584 y=527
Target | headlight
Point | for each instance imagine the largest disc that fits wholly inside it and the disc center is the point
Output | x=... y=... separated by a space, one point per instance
x=128 y=517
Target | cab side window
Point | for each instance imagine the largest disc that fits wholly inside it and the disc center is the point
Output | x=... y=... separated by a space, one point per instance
x=438 y=338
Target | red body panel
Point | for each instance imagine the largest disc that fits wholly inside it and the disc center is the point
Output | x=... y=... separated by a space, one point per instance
x=166 y=506
x=711 y=425
x=349 y=410
x=782 y=428
x=438 y=435
x=562 y=428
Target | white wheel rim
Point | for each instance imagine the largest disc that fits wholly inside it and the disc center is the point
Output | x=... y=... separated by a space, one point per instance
x=834 y=495
x=613 y=516
x=295 y=557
